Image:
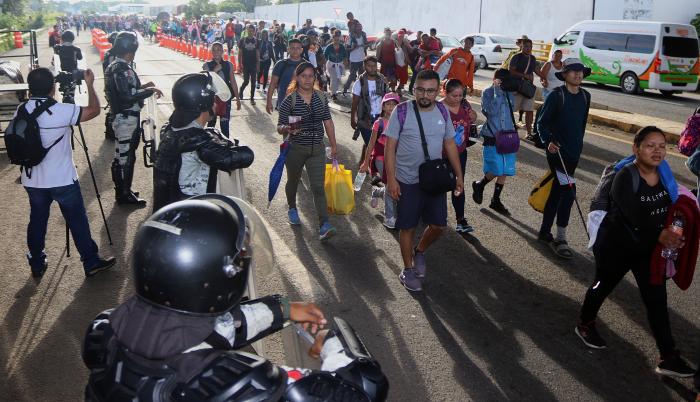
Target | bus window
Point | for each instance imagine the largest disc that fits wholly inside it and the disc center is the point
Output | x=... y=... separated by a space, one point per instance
x=605 y=41
x=568 y=38
x=641 y=43
x=674 y=46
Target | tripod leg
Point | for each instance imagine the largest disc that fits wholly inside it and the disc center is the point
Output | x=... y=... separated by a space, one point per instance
x=67 y=241
x=94 y=183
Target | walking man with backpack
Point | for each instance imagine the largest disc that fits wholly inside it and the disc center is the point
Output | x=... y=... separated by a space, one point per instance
x=283 y=73
x=48 y=171
x=562 y=125
x=367 y=94
x=417 y=134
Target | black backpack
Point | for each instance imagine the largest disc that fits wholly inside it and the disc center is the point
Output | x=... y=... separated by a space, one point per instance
x=23 y=139
x=601 y=199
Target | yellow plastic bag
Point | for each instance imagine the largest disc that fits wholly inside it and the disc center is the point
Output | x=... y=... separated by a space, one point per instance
x=540 y=193
x=340 y=196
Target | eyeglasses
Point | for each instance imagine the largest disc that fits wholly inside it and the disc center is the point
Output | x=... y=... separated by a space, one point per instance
x=429 y=92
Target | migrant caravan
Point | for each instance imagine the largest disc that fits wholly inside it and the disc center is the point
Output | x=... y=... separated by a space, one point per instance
x=636 y=55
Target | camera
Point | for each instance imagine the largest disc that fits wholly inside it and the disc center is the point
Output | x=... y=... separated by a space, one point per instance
x=67 y=78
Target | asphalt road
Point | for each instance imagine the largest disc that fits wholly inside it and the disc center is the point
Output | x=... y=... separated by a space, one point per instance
x=495 y=321
x=650 y=103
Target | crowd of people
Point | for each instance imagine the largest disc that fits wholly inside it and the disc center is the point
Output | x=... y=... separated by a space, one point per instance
x=414 y=148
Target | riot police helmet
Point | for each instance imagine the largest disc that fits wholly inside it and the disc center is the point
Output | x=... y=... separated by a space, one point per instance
x=112 y=37
x=196 y=256
x=125 y=42
x=68 y=36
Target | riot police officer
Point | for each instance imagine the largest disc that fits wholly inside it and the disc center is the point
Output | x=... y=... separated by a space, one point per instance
x=126 y=98
x=189 y=154
x=176 y=339
x=106 y=61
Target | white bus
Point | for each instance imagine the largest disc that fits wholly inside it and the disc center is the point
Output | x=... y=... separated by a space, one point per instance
x=636 y=55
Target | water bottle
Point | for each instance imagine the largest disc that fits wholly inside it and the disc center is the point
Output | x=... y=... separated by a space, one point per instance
x=676 y=227
x=329 y=154
x=359 y=179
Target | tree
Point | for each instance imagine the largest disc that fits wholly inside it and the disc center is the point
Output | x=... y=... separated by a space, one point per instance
x=14 y=7
x=198 y=8
x=231 y=6
x=696 y=22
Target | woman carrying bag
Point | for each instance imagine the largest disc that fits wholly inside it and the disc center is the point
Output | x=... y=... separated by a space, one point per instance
x=224 y=68
x=501 y=141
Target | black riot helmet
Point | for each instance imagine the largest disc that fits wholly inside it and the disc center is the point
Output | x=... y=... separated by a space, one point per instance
x=195 y=256
x=125 y=42
x=67 y=36
x=112 y=37
x=193 y=93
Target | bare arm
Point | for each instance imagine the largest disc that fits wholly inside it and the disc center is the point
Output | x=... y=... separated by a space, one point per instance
x=390 y=167
x=330 y=132
x=370 y=147
x=274 y=81
x=353 y=111
x=92 y=110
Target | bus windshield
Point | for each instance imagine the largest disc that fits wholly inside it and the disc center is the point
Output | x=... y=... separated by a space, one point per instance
x=674 y=46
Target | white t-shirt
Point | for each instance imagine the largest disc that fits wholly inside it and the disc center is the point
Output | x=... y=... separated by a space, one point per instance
x=57 y=168
x=358 y=54
x=375 y=101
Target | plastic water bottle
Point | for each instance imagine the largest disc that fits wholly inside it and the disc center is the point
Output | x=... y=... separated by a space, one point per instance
x=329 y=154
x=676 y=227
x=359 y=179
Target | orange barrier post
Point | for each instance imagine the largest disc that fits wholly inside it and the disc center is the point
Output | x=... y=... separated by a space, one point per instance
x=19 y=42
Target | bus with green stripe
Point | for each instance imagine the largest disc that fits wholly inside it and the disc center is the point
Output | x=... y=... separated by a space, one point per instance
x=635 y=55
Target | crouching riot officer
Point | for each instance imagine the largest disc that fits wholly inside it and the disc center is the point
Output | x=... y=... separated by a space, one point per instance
x=176 y=339
x=108 y=59
x=190 y=154
x=126 y=98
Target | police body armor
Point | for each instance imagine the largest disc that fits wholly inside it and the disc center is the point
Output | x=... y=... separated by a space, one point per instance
x=214 y=152
x=122 y=87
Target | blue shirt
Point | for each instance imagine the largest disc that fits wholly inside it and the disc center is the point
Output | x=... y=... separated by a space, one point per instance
x=335 y=57
x=498 y=114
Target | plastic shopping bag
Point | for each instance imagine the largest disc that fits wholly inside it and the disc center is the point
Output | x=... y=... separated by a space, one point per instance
x=540 y=193
x=340 y=196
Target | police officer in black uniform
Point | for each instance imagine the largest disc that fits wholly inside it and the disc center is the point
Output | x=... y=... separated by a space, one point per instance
x=106 y=61
x=126 y=98
x=177 y=338
x=190 y=154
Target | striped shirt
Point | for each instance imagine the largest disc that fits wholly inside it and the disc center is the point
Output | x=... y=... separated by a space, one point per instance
x=312 y=117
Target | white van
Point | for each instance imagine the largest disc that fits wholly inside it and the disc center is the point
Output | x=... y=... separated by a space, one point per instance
x=635 y=55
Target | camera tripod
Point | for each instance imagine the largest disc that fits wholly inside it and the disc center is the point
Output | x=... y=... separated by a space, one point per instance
x=68 y=96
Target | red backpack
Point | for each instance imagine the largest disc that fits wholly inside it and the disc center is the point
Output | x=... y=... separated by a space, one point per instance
x=690 y=137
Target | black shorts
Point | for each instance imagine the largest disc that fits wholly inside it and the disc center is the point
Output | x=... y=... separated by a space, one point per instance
x=415 y=204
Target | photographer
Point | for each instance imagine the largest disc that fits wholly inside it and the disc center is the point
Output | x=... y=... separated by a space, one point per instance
x=55 y=177
x=126 y=97
x=190 y=155
x=68 y=53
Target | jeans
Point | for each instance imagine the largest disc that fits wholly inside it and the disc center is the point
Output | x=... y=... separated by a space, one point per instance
x=611 y=267
x=459 y=201
x=355 y=70
x=264 y=72
x=229 y=44
x=314 y=159
x=70 y=200
x=415 y=69
x=560 y=200
x=279 y=52
x=249 y=76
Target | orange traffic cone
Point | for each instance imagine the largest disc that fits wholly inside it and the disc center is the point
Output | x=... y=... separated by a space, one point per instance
x=189 y=48
x=194 y=51
x=225 y=56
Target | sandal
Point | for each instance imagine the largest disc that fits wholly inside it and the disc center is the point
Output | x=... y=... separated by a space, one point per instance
x=561 y=248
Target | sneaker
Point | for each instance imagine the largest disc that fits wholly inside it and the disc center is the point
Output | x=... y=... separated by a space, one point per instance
x=498 y=206
x=101 y=265
x=293 y=215
x=376 y=180
x=675 y=367
x=419 y=263
x=257 y=86
x=40 y=272
x=410 y=281
x=463 y=226
x=590 y=336
x=530 y=138
x=390 y=223
x=477 y=193
x=326 y=231
x=252 y=101
x=377 y=193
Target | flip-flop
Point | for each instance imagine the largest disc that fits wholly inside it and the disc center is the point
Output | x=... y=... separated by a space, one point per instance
x=561 y=248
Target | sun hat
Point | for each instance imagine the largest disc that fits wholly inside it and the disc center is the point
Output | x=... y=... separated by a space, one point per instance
x=573 y=64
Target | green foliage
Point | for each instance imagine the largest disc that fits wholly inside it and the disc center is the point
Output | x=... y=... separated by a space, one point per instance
x=199 y=8
x=696 y=22
x=231 y=6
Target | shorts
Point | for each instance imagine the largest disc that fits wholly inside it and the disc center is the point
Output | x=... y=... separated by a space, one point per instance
x=523 y=103
x=498 y=164
x=415 y=204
